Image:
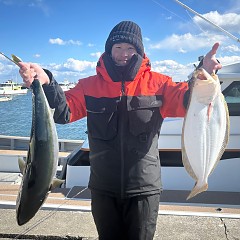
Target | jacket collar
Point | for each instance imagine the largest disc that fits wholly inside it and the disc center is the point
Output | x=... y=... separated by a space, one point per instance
x=107 y=69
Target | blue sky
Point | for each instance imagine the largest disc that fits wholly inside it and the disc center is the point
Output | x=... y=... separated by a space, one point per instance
x=68 y=36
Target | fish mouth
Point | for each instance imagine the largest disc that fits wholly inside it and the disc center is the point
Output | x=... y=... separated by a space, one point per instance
x=25 y=212
x=21 y=218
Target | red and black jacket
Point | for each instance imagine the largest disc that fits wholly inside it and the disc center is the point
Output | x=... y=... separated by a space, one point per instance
x=124 y=117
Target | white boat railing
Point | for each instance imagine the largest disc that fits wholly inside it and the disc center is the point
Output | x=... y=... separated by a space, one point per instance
x=21 y=143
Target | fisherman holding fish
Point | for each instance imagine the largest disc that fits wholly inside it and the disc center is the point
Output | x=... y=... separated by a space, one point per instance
x=125 y=104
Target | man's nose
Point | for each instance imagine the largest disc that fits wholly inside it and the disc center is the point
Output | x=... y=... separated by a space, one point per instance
x=124 y=53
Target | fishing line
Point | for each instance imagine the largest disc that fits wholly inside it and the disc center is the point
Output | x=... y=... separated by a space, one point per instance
x=51 y=213
x=195 y=21
x=172 y=12
x=215 y=25
x=199 y=15
x=168 y=10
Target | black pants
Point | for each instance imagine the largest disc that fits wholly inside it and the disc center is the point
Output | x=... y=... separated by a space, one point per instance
x=125 y=219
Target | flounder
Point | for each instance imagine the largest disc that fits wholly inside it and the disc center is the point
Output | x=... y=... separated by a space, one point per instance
x=205 y=130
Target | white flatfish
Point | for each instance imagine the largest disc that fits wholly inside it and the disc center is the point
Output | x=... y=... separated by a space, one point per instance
x=205 y=130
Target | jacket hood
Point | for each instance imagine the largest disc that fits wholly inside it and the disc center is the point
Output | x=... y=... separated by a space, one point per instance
x=101 y=68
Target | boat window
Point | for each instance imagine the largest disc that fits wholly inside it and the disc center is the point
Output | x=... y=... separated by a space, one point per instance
x=232 y=97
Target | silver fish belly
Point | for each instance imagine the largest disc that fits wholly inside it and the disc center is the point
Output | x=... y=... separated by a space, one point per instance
x=205 y=131
x=42 y=158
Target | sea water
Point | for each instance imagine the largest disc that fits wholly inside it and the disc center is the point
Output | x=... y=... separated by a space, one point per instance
x=16 y=120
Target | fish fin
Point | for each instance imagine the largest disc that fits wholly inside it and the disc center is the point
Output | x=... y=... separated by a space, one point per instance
x=185 y=159
x=16 y=59
x=186 y=163
x=21 y=164
x=56 y=183
x=227 y=133
x=52 y=111
x=197 y=189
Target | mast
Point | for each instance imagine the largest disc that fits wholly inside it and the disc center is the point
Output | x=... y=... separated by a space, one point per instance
x=215 y=25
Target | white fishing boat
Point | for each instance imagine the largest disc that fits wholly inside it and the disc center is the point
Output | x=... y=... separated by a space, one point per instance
x=5 y=98
x=225 y=177
x=10 y=88
x=74 y=164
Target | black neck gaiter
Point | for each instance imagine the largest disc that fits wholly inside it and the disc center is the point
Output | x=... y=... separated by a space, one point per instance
x=122 y=73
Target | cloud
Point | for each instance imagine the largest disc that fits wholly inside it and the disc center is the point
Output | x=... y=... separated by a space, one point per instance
x=192 y=40
x=72 y=69
x=71 y=76
x=231 y=48
x=59 y=41
x=7 y=71
x=229 y=59
x=177 y=71
x=56 y=41
x=72 y=42
x=180 y=72
x=181 y=50
x=29 y=3
x=146 y=39
x=97 y=54
x=37 y=55
x=78 y=65
x=187 y=42
x=228 y=21
x=234 y=6
x=73 y=65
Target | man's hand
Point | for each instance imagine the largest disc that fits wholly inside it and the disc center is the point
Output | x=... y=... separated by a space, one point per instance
x=210 y=63
x=31 y=71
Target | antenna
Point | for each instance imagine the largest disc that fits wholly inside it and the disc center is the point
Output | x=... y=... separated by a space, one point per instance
x=215 y=25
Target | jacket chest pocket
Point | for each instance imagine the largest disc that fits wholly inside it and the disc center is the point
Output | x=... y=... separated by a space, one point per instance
x=144 y=114
x=102 y=117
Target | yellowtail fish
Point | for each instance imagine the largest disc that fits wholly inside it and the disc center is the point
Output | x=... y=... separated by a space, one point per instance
x=42 y=159
x=205 y=131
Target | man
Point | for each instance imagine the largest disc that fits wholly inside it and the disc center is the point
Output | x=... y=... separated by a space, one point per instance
x=125 y=104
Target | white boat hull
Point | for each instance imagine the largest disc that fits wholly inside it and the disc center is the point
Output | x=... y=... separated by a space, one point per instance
x=10 y=88
x=13 y=92
x=225 y=178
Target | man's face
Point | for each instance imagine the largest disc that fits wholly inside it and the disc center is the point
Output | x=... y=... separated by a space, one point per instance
x=122 y=53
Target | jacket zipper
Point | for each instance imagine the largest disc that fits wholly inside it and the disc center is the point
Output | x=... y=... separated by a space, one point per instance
x=123 y=88
x=122 y=137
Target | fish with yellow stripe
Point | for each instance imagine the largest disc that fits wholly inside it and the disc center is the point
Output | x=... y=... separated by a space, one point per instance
x=205 y=130
x=39 y=170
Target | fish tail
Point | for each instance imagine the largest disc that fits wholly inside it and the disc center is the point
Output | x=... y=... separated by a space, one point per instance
x=197 y=189
x=21 y=164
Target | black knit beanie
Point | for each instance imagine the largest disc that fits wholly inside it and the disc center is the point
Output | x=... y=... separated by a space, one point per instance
x=125 y=32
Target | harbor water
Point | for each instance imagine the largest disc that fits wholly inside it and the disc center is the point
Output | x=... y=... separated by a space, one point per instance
x=16 y=119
